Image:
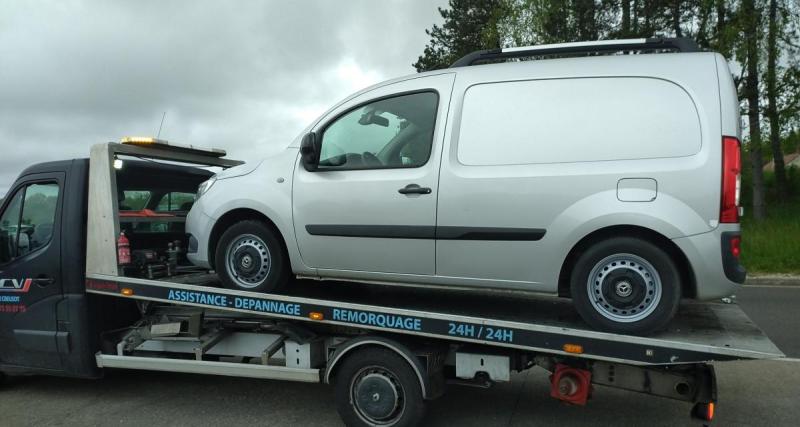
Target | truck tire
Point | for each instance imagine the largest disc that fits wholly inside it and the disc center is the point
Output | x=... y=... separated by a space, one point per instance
x=626 y=285
x=377 y=387
x=249 y=257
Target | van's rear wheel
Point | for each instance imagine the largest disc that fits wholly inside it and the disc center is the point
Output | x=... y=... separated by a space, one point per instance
x=377 y=387
x=249 y=257
x=626 y=285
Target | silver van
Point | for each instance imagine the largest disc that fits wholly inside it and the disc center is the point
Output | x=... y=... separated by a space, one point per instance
x=609 y=176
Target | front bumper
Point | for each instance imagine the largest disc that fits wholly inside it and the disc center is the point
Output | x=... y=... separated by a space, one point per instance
x=198 y=227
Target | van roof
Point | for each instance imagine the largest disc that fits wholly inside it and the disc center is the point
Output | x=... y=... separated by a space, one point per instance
x=651 y=45
x=578 y=51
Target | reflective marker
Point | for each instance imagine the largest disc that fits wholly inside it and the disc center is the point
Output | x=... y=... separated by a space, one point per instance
x=573 y=348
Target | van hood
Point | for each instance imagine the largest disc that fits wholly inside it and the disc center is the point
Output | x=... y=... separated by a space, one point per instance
x=276 y=162
x=240 y=170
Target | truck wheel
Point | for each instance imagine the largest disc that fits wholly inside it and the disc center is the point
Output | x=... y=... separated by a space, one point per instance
x=377 y=387
x=249 y=257
x=626 y=285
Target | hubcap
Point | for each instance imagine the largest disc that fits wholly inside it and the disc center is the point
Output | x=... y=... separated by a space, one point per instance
x=624 y=288
x=249 y=261
x=377 y=396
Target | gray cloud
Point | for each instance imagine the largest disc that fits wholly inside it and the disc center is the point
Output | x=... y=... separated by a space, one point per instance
x=246 y=76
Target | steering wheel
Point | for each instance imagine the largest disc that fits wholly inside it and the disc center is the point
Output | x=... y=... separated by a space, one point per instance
x=370 y=160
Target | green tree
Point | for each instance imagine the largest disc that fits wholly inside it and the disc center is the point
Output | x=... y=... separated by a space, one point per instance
x=527 y=22
x=750 y=17
x=775 y=27
x=469 y=25
x=748 y=54
x=625 y=24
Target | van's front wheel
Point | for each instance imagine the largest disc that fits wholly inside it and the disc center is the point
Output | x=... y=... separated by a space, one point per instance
x=626 y=285
x=249 y=257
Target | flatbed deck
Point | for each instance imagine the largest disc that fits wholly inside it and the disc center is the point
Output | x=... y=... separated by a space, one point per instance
x=700 y=332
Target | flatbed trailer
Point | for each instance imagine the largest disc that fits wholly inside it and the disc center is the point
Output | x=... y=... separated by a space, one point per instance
x=386 y=350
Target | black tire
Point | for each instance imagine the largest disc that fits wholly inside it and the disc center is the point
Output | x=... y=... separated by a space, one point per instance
x=255 y=241
x=628 y=287
x=373 y=369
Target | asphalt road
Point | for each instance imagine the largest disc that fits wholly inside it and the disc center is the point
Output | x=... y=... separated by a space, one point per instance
x=750 y=393
x=776 y=309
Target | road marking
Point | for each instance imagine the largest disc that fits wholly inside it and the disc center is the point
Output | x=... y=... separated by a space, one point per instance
x=771 y=286
x=788 y=359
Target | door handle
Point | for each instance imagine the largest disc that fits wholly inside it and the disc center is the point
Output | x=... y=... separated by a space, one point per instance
x=44 y=281
x=414 y=189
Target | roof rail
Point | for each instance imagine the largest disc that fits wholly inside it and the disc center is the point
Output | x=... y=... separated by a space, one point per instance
x=680 y=44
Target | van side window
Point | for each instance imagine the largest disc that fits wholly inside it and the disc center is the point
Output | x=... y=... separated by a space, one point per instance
x=27 y=223
x=394 y=132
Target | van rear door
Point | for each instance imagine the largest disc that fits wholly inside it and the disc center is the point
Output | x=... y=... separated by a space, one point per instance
x=30 y=273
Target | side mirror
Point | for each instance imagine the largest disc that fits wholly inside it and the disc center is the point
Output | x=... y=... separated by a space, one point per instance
x=309 y=151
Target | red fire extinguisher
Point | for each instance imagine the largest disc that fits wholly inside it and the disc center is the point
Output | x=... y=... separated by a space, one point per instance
x=123 y=250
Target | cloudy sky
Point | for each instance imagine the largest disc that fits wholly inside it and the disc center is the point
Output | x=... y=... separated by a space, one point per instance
x=246 y=76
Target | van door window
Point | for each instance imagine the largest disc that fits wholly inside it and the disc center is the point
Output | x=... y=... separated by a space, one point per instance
x=28 y=222
x=394 y=132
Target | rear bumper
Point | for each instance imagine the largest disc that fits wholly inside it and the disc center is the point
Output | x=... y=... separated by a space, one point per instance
x=730 y=264
x=715 y=276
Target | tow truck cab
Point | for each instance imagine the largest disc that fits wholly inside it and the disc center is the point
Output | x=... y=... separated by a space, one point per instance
x=44 y=320
x=48 y=323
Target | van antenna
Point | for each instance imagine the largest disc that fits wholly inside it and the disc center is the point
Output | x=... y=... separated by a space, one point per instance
x=162 y=124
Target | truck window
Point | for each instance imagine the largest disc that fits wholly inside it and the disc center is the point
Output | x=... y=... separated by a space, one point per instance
x=175 y=201
x=28 y=222
x=9 y=224
x=134 y=200
x=393 y=132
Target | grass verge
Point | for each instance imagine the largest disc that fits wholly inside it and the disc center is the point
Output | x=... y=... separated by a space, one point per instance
x=773 y=246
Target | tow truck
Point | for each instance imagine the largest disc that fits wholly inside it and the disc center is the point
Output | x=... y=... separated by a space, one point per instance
x=93 y=276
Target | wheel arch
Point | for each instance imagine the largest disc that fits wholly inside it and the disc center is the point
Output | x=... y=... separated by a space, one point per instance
x=236 y=215
x=345 y=349
x=688 y=280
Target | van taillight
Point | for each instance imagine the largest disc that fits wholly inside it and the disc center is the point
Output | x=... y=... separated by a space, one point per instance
x=731 y=179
